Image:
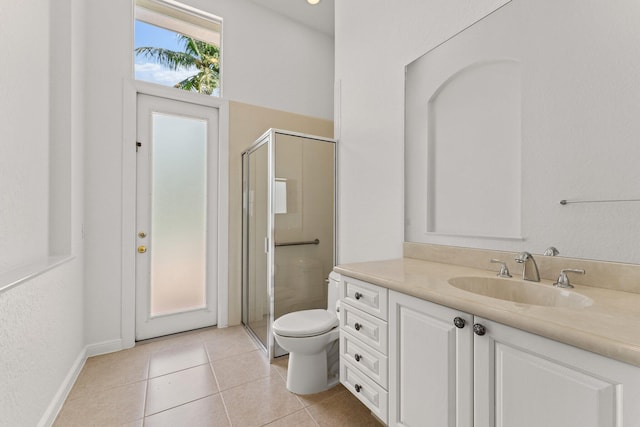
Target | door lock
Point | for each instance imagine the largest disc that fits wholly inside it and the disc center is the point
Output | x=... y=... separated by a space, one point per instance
x=142 y=249
x=142 y=234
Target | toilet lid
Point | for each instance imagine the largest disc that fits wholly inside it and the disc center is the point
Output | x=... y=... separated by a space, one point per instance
x=305 y=323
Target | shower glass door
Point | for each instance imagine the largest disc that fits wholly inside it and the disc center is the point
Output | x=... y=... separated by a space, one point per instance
x=257 y=304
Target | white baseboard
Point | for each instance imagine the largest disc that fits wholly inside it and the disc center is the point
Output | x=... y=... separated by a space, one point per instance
x=58 y=400
x=104 y=347
x=52 y=411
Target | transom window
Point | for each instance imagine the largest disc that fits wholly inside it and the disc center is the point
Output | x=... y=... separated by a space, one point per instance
x=177 y=45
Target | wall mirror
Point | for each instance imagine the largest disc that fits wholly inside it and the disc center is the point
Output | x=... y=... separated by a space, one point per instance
x=536 y=103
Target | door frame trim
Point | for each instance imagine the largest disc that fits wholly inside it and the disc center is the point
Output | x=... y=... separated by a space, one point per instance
x=131 y=89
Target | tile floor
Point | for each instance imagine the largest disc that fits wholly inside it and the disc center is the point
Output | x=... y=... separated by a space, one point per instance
x=210 y=377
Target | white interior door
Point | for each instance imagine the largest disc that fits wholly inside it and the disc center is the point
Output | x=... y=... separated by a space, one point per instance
x=177 y=209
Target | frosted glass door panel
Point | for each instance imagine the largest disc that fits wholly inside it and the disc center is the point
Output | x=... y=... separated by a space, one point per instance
x=178 y=214
x=177 y=238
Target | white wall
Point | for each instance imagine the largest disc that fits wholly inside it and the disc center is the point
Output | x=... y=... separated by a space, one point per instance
x=267 y=60
x=374 y=41
x=107 y=62
x=41 y=340
x=24 y=141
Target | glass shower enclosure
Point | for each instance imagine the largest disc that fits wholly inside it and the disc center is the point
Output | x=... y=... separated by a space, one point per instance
x=288 y=232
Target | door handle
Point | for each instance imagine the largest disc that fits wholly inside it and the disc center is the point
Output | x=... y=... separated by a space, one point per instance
x=142 y=249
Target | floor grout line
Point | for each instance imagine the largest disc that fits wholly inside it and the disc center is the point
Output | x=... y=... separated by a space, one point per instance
x=306 y=409
x=179 y=370
x=226 y=410
x=182 y=404
x=233 y=355
x=245 y=383
x=144 y=403
x=213 y=372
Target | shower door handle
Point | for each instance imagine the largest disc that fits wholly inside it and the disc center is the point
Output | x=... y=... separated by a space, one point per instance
x=266 y=245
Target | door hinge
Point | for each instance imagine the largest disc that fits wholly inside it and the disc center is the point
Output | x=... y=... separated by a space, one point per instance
x=138 y=145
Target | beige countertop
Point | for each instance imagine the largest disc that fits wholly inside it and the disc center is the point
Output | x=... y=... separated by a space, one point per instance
x=610 y=326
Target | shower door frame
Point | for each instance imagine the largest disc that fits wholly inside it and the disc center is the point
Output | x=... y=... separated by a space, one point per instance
x=269 y=138
x=269 y=248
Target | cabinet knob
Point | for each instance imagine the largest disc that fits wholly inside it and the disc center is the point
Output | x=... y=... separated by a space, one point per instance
x=459 y=322
x=358 y=326
x=358 y=387
x=357 y=357
x=358 y=295
x=478 y=329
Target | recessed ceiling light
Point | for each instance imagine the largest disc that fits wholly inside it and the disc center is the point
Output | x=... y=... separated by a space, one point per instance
x=313 y=1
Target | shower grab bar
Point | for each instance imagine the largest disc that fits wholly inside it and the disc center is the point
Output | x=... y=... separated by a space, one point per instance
x=309 y=242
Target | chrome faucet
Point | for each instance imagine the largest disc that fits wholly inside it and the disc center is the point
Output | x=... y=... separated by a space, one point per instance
x=530 y=268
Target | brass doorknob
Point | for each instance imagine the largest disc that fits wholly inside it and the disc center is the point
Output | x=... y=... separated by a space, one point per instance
x=142 y=249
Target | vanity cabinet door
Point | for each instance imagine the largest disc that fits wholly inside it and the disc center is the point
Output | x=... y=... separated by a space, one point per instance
x=525 y=380
x=430 y=364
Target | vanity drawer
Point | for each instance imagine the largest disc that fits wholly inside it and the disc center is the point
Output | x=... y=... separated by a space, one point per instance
x=365 y=389
x=369 y=298
x=370 y=362
x=368 y=329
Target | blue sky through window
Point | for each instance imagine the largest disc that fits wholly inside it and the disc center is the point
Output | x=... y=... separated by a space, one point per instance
x=148 y=70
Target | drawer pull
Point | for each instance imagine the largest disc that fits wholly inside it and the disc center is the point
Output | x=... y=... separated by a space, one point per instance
x=358 y=387
x=357 y=357
x=358 y=326
x=358 y=295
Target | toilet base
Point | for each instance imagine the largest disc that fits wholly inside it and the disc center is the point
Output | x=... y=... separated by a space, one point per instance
x=310 y=371
x=307 y=373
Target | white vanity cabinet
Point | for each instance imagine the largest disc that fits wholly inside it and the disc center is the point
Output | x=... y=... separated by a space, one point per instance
x=430 y=364
x=364 y=343
x=416 y=363
x=524 y=380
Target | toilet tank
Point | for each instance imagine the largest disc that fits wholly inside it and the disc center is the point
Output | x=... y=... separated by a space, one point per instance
x=333 y=293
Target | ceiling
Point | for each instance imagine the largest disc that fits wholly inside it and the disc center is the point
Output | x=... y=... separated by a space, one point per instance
x=319 y=17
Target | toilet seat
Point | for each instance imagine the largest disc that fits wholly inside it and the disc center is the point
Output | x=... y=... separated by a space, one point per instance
x=306 y=323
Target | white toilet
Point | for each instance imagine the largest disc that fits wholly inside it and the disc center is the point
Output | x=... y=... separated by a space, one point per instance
x=311 y=338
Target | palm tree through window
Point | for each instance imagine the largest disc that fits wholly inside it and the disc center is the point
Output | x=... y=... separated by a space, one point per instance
x=176 y=45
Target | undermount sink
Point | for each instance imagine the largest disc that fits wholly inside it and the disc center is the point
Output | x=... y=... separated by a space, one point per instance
x=521 y=291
